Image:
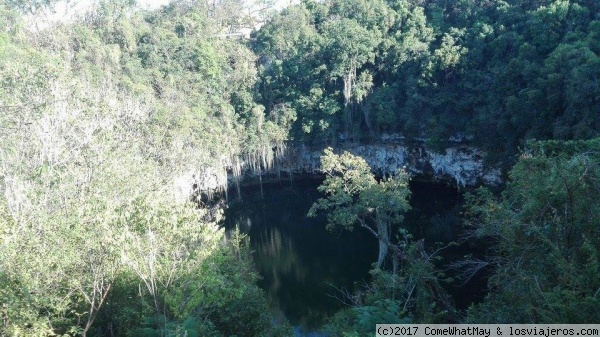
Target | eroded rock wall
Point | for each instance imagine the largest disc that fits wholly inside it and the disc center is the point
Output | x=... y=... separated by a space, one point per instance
x=461 y=164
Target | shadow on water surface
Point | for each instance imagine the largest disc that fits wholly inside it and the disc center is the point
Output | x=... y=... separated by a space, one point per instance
x=300 y=262
x=303 y=265
x=435 y=216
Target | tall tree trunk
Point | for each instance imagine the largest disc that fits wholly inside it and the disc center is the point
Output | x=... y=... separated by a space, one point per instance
x=384 y=237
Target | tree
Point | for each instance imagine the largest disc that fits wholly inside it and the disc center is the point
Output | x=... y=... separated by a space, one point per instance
x=411 y=291
x=95 y=138
x=354 y=197
x=545 y=235
x=32 y=6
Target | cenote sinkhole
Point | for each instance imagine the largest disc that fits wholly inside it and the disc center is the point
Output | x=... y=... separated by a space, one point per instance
x=303 y=266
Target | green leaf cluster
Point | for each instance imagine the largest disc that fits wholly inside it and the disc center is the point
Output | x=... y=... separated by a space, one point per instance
x=100 y=120
x=545 y=237
x=408 y=291
x=493 y=72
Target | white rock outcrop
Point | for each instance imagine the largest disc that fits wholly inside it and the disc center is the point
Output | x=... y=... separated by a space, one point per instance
x=461 y=164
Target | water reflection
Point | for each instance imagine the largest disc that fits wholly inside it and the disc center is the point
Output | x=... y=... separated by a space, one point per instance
x=300 y=262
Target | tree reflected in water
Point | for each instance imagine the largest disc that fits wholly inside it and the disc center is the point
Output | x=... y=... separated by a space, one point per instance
x=299 y=260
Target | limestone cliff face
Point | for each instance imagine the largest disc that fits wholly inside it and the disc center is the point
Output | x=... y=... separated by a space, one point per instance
x=461 y=164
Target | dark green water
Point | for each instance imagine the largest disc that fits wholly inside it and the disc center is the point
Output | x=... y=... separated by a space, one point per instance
x=303 y=265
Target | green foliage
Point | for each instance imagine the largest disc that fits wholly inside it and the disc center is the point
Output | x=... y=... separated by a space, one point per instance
x=104 y=120
x=413 y=294
x=411 y=290
x=501 y=72
x=385 y=311
x=355 y=197
x=98 y=125
x=353 y=193
x=31 y=6
x=546 y=237
x=360 y=321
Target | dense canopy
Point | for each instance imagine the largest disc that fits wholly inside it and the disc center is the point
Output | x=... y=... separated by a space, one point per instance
x=116 y=124
x=496 y=72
